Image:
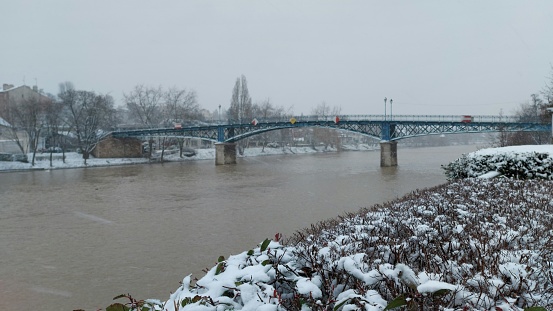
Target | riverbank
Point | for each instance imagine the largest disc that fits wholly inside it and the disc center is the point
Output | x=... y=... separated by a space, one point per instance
x=473 y=243
x=75 y=160
x=77 y=238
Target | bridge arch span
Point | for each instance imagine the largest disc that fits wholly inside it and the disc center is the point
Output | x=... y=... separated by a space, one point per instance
x=255 y=132
x=387 y=129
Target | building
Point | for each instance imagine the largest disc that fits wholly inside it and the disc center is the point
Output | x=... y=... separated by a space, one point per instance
x=110 y=147
x=8 y=144
x=9 y=137
x=18 y=94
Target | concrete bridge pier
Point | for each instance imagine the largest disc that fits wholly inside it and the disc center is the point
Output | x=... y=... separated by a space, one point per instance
x=225 y=153
x=388 y=153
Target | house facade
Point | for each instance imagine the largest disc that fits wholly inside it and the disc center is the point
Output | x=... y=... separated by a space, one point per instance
x=7 y=142
x=18 y=94
x=9 y=136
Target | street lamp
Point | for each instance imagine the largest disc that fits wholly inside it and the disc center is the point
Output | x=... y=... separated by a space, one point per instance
x=219 y=114
x=391 y=115
x=385 y=101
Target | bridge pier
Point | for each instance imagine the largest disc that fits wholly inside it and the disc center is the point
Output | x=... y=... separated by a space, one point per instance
x=388 y=153
x=225 y=153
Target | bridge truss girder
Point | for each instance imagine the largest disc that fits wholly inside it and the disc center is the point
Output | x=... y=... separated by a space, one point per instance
x=368 y=128
x=390 y=130
x=382 y=130
x=402 y=130
x=203 y=132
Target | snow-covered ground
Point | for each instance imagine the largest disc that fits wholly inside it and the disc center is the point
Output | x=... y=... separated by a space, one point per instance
x=74 y=160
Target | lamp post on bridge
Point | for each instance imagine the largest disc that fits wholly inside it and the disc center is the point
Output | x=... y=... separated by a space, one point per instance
x=388 y=148
x=385 y=102
x=391 y=115
x=219 y=114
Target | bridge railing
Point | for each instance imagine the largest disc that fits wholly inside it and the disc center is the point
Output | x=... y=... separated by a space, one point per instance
x=367 y=117
x=423 y=118
x=433 y=118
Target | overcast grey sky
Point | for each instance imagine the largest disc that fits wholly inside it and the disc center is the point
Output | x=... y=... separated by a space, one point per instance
x=431 y=57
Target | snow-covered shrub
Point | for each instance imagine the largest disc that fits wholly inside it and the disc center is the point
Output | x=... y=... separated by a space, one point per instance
x=471 y=244
x=524 y=165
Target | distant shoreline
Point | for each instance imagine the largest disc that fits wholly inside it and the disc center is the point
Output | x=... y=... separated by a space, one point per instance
x=74 y=160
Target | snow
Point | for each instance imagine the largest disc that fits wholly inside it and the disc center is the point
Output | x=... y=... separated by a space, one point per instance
x=307 y=286
x=515 y=150
x=74 y=160
x=489 y=175
x=434 y=286
x=521 y=162
x=4 y=123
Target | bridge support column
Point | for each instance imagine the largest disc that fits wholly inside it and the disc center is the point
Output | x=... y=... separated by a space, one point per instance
x=388 y=153
x=225 y=153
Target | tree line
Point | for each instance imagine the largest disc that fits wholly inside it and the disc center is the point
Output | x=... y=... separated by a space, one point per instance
x=77 y=119
x=535 y=110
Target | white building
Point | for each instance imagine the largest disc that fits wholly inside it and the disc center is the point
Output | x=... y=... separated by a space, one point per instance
x=10 y=94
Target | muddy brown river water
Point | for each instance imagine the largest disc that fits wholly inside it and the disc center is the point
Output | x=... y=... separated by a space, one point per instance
x=76 y=238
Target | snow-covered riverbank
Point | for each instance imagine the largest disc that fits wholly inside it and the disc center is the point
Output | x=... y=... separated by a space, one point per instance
x=475 y=244
x=471 y=244
x=74 y=160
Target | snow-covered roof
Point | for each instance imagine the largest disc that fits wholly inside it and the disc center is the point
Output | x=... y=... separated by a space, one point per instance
x=11 y=89
x=4 y=123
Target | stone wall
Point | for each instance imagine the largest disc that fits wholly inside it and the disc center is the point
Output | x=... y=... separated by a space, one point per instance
x=118 y=148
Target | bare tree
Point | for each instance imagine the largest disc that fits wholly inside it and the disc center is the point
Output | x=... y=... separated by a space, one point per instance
x=144 y=105
x=240 y=107
x=326 y=111
x=15 y=133
x=501 y=139
x=28 y=115
x=547 y=91
x=266 y=110
x=66 y=86
x=324 y=135
x=54 y=119
x=241 y=103
x=180 y=105
x=533 y=112
x=89 y=113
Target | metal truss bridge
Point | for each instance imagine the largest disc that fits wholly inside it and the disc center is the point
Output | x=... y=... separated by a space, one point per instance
x=383 y=128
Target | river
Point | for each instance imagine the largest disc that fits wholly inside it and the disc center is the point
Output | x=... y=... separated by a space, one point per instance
x=75 y=238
